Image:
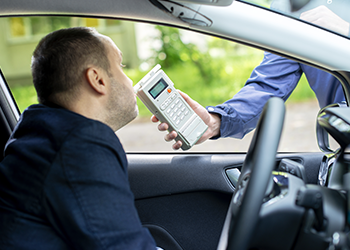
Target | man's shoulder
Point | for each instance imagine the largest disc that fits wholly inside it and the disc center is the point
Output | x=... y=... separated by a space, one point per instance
x=56 y=114
x=59 y=123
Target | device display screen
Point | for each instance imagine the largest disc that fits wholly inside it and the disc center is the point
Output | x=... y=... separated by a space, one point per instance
x=158 y=88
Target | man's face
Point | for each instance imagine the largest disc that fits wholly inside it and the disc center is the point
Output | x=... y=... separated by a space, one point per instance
x=121 y=106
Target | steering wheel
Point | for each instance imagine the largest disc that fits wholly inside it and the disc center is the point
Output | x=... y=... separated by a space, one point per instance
x=243 y=214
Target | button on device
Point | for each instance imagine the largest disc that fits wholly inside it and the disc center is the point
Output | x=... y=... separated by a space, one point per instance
x=169 y=100
x=169 y=90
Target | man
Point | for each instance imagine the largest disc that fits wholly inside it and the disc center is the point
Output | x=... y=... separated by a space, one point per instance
x=275 y=76
x=63 y=180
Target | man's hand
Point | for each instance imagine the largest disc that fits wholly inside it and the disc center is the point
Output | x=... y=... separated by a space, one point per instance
x=324 y=17
x=212 y=120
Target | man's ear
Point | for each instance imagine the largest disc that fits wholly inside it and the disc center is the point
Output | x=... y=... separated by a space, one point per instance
x=97 y=79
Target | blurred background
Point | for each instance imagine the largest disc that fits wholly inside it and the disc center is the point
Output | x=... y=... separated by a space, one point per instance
x=209 y=69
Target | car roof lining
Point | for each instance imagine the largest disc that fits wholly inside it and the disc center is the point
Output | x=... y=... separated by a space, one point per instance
x=133 y=9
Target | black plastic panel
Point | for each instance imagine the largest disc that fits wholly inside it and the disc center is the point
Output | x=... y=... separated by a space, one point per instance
x=183 y=198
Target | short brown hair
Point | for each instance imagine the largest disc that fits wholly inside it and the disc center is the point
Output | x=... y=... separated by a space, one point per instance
x=60 y=59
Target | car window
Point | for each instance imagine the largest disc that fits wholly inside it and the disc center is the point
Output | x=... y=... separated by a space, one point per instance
x=210 y=70
x=310 y=11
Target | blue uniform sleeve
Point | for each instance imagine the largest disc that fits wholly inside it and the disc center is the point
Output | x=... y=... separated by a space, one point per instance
x=275 y=76
x=87 y=195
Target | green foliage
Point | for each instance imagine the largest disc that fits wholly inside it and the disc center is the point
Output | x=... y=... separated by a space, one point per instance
x=174 y=52
x=172 y=47
x=24 y=96
x=302 y=91
x=210 y=76
x=214 y=74
x=188 y=79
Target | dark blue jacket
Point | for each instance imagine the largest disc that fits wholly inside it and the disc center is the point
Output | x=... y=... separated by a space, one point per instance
x=64 y=185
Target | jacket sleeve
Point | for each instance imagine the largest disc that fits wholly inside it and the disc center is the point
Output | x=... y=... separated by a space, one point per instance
x=87 y=194
x=275 y=76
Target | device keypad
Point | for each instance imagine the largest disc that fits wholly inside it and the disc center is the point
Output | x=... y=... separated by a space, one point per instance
x=175 y=109
x=169 y=100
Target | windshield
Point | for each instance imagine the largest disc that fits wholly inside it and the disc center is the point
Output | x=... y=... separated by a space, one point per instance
x=329 y=14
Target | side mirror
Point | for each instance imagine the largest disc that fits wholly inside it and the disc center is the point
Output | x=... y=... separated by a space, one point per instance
x=333 y=120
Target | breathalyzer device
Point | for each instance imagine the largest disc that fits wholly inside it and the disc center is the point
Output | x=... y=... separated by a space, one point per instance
x=157 y=92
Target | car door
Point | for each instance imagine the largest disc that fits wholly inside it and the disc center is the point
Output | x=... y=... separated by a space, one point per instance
x=183 y=198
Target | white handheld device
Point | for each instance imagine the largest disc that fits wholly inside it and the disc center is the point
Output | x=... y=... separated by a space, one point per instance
x=157 y=92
